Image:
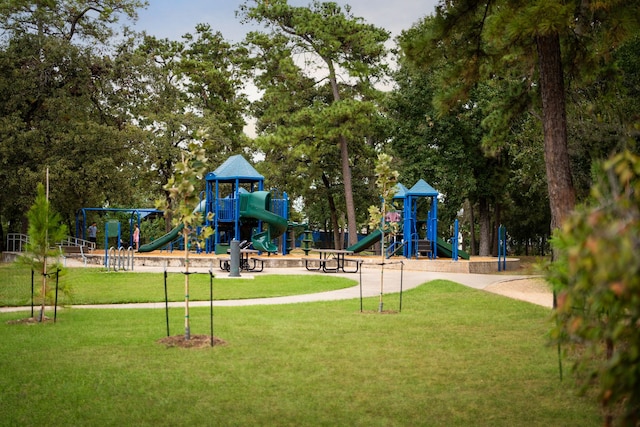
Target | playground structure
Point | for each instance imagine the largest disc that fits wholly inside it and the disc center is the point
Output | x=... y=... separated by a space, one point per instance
x=243 y=211
x=410 y=243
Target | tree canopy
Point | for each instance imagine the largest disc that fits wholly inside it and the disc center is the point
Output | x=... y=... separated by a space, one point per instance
x=342 y=48
x=533 y=50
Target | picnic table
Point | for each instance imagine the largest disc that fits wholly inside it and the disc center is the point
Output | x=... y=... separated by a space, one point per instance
x=248 y=261
x=332 y=261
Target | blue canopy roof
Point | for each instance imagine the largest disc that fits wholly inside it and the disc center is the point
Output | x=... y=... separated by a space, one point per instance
x=422 y=189
x=235 y=168
x=401 y=192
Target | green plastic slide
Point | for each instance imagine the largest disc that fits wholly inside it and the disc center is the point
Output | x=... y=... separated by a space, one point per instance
x=366 y=242
x=256 y=205
x=171 y=235
x=162 y=241
x=445 y=250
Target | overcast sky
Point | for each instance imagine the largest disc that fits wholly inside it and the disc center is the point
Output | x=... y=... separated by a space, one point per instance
x=173 y=18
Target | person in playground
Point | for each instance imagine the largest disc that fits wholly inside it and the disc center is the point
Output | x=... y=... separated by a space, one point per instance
x=93 y=232
x=136 y=237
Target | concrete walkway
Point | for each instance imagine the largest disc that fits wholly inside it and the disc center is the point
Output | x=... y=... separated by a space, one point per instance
x=370 y=286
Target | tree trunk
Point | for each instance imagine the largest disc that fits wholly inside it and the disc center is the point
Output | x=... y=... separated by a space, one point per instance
x=333 y=213
x=472 y=230
x=187 y=325
x=346 y=166
x=485 y=227
x=562 y=196
x=43 y=290
x=348 y=192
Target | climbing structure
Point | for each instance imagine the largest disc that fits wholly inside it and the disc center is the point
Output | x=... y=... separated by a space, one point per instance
x=241 y=209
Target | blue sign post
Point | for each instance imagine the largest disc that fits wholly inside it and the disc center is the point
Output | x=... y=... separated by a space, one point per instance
x=502 y=248
x=454 y=241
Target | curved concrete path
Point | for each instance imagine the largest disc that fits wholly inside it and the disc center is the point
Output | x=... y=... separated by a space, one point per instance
x=370 y=286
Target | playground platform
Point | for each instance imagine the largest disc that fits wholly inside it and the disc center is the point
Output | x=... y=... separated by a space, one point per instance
x=477 y=265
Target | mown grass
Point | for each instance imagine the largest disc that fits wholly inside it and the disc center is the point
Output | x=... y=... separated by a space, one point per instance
x=96 y=286
x=454 y=356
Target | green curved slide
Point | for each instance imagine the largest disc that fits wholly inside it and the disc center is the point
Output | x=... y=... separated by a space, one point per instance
x=170 y=236
x=162 y=241
x=256 y=205
x=445 y=250
x=366 y=242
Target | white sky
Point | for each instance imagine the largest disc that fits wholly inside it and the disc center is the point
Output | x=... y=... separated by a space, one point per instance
x=173 y=18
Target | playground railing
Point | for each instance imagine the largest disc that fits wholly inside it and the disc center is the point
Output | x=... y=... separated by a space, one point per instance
x=17 y=242
x=226 y=209
x=395 y=247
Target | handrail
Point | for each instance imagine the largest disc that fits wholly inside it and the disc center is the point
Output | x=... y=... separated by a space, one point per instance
x=64 y=257
x=394 y=247
x=17 y=242
x=76 y=241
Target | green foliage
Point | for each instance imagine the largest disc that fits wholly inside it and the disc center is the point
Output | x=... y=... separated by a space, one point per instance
x=598 y=285
x=386 y=183
x=531 y=52
x=184 y=198
x=320 y=119
x=45 y=231
x=62 y=106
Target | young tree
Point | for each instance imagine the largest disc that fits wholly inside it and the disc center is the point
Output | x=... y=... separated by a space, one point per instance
x=386 y=183
x=536 y=47
x=184 y=199
x=45 y=230
x=598 y=282
x=338 y=46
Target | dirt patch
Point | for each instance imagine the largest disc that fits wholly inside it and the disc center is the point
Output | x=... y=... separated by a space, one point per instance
x=29 y=321
x=195 y=341
x=534 y=290
x=379 y=312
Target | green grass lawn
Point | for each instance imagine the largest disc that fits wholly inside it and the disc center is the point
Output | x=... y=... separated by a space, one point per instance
x=454 y=356
x=96 y=286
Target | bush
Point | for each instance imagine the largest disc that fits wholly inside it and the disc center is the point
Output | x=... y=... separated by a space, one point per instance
x=597 y=283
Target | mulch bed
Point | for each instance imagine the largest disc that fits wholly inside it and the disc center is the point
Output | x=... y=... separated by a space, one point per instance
x=195 y=341
x=378 y=312
x=29 y=321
